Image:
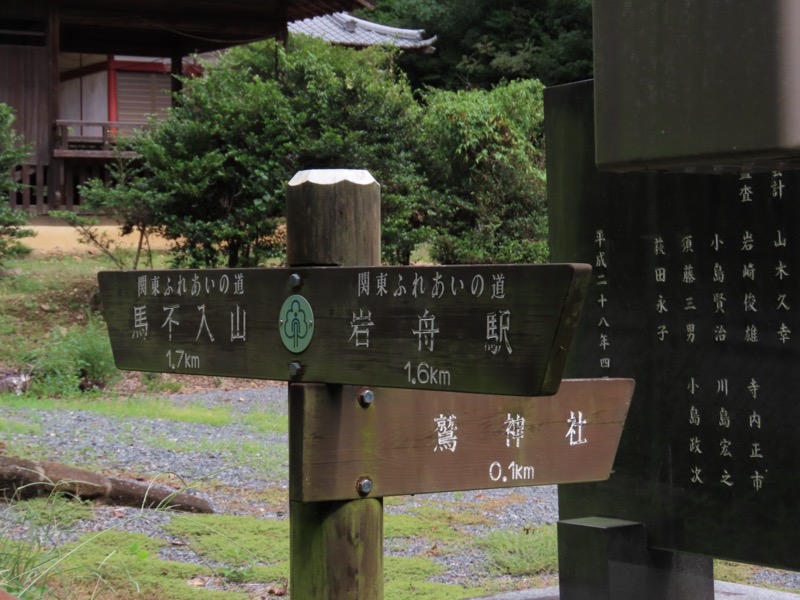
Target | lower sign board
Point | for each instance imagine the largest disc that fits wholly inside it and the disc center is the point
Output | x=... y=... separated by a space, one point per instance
x=414 y=442
x=501 y=329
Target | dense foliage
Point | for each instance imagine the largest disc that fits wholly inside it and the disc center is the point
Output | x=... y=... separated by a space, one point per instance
x=213 y=173
x=486 y=161
x=12 y=150
x=12 y=154
x=483 y=42
x=462 y=170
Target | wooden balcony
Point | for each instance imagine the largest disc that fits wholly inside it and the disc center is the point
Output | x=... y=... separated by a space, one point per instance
x=92 y=139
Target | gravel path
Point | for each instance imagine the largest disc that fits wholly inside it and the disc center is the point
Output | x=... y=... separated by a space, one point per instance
x=154 y=447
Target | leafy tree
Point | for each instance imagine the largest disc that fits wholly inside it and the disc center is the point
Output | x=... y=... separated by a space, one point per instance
x=214 y=171
x=130 y=200
x=483 y=42
x=12 y=153
x=463 y=169
x=486 y=161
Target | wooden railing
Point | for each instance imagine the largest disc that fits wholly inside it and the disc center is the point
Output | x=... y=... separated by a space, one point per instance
x=81 y=151
x=91 y=139
x=32 y=197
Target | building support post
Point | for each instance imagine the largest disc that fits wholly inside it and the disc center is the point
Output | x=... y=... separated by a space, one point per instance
x=55 y=172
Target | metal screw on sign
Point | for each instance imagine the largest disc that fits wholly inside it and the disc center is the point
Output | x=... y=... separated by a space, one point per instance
x=295 y=281
x=364 y=486
x=366 y=397
x=295 y=369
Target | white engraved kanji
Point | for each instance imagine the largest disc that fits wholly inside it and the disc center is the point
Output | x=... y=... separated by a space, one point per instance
x=515 y=429
x=360 y=325
x=446 y=438
x=575 y=432
x=498 y=325
x=426 y=331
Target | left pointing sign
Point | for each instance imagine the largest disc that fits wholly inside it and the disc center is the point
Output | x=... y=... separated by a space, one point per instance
x=497 y=329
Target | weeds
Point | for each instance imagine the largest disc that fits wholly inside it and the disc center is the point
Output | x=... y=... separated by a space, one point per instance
x=71 y=358
x=30 y=533
x=36 y=563
x=525 y=553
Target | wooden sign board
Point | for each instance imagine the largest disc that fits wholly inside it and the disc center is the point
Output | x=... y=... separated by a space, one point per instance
x=502 y=329
x=414 y=442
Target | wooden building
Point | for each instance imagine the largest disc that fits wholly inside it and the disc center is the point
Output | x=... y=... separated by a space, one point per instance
x=79 y=73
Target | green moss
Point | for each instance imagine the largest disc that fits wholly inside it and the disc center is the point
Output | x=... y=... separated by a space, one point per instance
x=128 y=564
x=233 y=539
x=408 y=578
x=434 y=522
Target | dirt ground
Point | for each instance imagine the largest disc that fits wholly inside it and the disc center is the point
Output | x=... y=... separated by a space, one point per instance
x=55 y=236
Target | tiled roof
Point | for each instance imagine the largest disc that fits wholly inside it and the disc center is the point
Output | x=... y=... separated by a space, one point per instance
x=347 y=30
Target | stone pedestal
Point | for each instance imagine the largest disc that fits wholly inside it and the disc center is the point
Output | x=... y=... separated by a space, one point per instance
x=608 y=559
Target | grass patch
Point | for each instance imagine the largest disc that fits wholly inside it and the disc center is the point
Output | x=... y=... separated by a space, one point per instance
x=238 y=451
x=522 y=554
x=267 y=422
x=409 y=578
x=733 y=572
x=118 y=564
x=28 y=563
x=156 y=383
x=9 y=427
x=127 y=408
x=235 y=540
x=56 y=510
x=443 y=521
x=40 y=293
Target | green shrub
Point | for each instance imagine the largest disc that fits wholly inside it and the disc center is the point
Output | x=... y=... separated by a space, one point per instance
x=13 y=150
x=12 y=153
x=11 y=231
x=485 y=158
x=59 y=363
x=212 y=175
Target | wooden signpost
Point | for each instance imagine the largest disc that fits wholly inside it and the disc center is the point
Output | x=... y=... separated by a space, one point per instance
x=501 y=329
x=387 y=442
x=433 y=341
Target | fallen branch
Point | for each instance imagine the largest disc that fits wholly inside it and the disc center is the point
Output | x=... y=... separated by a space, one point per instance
x=21 y=479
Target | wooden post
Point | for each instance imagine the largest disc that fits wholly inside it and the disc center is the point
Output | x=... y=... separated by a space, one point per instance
x=333 y=218
x=176 y=71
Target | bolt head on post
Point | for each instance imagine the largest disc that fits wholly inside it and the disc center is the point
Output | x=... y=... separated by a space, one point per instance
x=364 y=486
x=366 y=397
x=295 y=369
x=295 y=281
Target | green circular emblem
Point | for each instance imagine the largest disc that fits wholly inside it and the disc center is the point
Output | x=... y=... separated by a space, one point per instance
x=296 y=323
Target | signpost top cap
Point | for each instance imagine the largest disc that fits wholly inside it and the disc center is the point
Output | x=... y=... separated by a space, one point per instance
x=332 y=176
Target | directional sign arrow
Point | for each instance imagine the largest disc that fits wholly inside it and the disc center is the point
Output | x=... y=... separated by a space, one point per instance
x=414 y=442
x=499 y=329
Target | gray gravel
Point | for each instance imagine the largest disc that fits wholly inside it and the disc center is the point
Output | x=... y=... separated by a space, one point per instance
x=119 y=445
x=153 y=447
x=149 y=447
